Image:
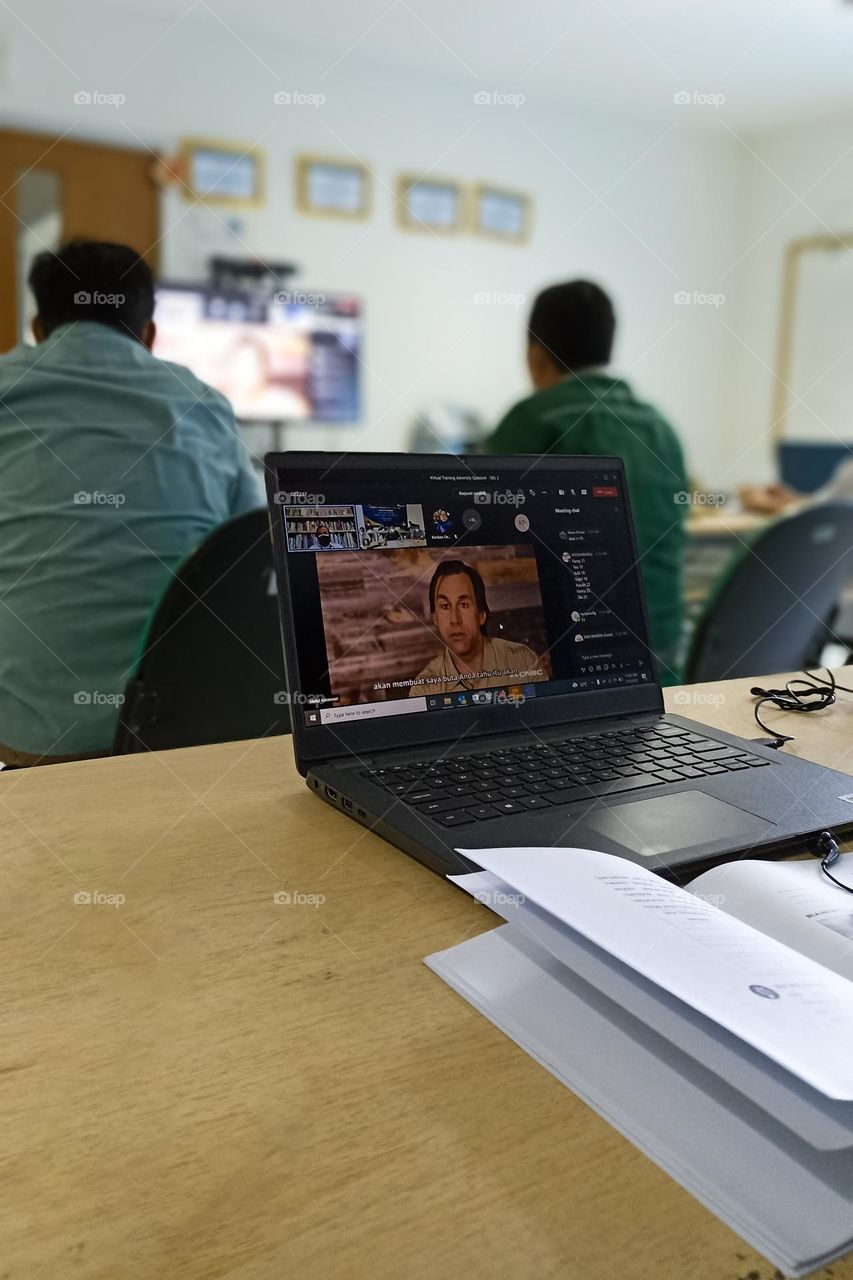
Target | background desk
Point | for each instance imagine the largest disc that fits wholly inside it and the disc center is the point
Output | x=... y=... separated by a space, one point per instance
x=718 y=522
x=200 y=1083
x=714 y=535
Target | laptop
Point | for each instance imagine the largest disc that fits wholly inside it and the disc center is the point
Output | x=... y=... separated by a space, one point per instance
x=467 y=666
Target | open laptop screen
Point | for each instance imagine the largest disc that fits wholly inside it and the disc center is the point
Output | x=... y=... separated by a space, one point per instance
x=417 y=591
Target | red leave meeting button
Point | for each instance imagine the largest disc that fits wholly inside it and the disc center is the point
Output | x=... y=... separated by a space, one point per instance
x=605 y=491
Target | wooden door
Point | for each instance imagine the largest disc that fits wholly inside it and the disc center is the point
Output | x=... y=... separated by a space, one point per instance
x=52 y=189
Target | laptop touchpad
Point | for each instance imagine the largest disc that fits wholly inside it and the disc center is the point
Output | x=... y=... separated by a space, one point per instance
x=663 y=825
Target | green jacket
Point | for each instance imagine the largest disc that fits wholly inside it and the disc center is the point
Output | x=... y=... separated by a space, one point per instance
x=592 y=413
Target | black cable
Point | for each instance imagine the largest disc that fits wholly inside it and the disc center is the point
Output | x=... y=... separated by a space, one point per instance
x=809 y=693
x=828 y=852
x=831 y=682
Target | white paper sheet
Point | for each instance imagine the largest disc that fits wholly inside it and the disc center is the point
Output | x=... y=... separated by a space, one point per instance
x=791 y=901
x=793 y=1204
x=820 y=1121
x=788 y=1007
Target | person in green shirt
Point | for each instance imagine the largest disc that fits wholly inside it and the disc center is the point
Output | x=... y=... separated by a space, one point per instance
x=579 y=408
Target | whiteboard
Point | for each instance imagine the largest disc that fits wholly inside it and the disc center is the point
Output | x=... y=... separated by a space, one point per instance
x=820 y=395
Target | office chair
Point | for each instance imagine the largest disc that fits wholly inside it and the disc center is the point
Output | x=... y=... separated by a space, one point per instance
x=774 y=608
x=210 y=667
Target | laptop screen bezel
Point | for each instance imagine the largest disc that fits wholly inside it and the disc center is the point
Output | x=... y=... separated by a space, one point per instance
x=320 y=743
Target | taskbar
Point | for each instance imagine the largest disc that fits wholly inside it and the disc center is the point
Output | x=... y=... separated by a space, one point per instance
x=515 y=695
x=511 y=695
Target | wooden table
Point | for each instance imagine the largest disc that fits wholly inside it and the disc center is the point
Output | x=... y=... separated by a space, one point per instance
x=199 y=1082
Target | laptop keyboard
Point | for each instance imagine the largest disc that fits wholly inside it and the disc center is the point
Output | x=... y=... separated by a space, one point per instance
x=537 y=775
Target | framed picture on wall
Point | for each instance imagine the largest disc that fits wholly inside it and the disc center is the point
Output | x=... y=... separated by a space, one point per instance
x=332 y=188
x=500 y=213
x=226 y=173
x=430 y=204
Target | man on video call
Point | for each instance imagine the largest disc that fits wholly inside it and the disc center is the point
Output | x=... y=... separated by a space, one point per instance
x=470 y=659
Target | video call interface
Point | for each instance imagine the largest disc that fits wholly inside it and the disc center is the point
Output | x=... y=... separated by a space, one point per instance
x=426 y=593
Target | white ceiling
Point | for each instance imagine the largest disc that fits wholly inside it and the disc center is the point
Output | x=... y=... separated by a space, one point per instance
x=775 y=61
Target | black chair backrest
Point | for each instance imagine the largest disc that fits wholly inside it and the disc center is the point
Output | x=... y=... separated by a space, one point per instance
x=774 y=608
x=211 y=666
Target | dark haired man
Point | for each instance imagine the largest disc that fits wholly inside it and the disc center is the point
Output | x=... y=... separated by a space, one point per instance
x=113 y=466
x=579 y=408
x=471 y=658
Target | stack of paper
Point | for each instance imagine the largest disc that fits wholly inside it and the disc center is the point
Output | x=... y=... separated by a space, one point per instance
x=721 y=1052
